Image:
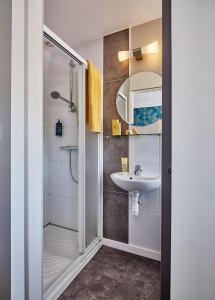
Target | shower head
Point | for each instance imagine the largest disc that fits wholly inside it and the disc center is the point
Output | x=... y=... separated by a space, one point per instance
x=55 y=95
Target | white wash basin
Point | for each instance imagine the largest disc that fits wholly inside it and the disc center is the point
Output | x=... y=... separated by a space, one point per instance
x=131 y=183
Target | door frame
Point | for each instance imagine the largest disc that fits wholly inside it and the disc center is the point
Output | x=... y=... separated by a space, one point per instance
x=166 y=151
x=26 y=141
x=26 y=149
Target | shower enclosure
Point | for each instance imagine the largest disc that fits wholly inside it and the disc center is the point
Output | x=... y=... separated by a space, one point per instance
x=71 y=179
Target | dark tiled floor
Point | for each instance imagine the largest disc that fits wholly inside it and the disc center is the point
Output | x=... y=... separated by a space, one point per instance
x=116 y=275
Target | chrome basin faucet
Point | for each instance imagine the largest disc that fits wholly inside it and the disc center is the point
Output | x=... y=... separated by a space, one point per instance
x=138 y=170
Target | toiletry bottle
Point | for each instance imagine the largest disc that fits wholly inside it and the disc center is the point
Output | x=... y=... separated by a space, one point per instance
x=124 y=162
x=116 y=127
x=129 y=132
x=58 y=128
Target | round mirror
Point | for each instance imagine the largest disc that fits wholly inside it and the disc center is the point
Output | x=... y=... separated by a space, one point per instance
x=139 y=99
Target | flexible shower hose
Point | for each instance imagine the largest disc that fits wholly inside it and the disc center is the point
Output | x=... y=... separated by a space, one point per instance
x=70 y=167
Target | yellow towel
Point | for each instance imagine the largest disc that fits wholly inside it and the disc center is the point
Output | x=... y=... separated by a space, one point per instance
x=94 y=98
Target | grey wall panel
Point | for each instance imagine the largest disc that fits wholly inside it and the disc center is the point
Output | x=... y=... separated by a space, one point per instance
x=115 y=222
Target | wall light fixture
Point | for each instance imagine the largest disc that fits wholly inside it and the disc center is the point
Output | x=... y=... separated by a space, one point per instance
x=139 y=52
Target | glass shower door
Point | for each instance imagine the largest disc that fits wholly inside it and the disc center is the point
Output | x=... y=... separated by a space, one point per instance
x=92 y=185
x=89 y=183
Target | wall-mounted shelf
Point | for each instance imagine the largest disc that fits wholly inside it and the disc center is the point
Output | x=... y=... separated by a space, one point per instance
x=129 y=135
x=68 y=147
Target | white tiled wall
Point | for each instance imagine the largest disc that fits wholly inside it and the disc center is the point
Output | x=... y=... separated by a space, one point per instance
x=144 y=230
x=60 y=192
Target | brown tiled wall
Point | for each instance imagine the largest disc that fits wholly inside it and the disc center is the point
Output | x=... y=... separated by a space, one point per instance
x=115 y=200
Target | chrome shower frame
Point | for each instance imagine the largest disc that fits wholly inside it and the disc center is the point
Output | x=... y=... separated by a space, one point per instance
x=86 y=251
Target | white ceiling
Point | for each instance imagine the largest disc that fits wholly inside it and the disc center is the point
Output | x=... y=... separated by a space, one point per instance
x=80 y=21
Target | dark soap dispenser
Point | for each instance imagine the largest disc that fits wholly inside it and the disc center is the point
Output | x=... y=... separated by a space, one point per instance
x=59 y=128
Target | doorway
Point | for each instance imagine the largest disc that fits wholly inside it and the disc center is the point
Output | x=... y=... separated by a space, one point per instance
x=34 y=115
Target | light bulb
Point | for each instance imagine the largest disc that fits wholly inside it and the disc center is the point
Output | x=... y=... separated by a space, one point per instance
x=150 y=48
x=123 y=55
